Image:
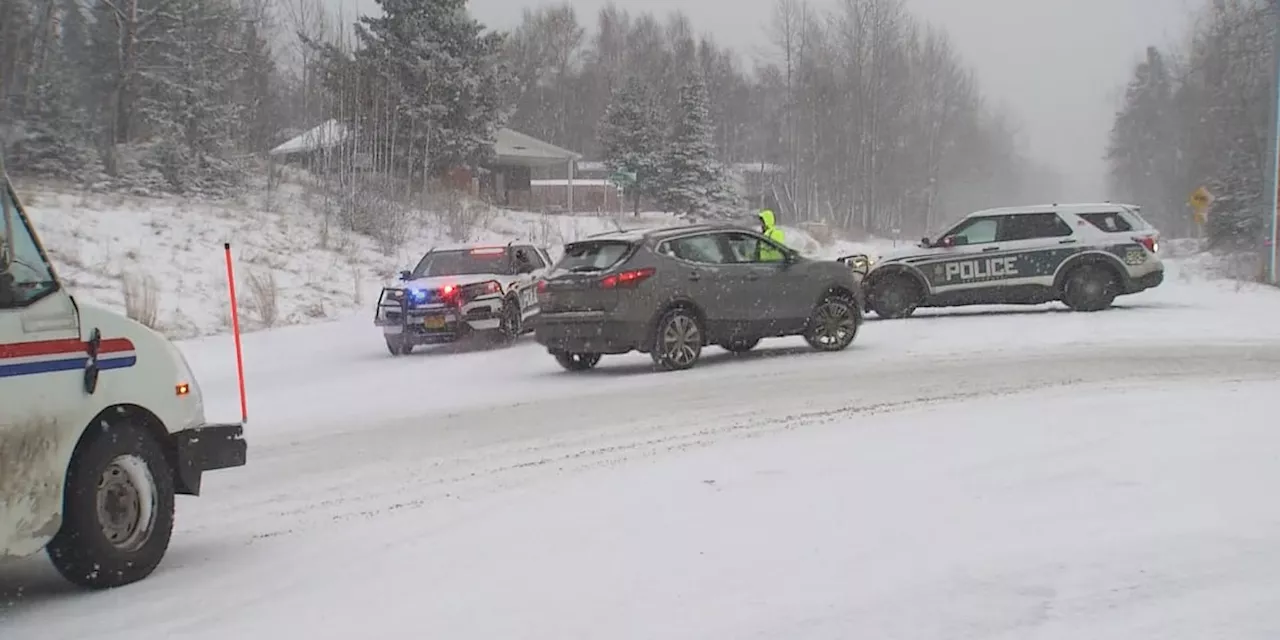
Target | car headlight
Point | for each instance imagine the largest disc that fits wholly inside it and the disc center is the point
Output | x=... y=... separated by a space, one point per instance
x=473 y=291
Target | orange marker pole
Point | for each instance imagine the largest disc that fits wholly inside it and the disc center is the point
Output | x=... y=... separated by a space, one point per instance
x=235 y=332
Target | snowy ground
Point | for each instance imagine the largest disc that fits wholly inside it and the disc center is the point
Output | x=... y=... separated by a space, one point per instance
x=987 y=473
x=320 y=272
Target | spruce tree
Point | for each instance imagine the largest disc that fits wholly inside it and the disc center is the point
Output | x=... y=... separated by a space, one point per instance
x=692 y=181
x=1143 y=149
x=443 y=74
x=630 y=133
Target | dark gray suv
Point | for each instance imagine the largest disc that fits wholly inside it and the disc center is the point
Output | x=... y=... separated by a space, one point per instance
x=668 y=292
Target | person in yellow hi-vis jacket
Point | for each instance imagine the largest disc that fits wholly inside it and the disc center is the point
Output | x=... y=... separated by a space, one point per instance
x=769 y=227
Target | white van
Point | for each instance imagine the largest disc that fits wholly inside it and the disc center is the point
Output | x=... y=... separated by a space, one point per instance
x=101 y=424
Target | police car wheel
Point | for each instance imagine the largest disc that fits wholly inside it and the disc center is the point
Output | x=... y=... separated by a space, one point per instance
x=1089 y=288
x=834 y=324
x=577 y=361
x=118 y=506
x=895 y=296
x=509 y=328
x=399 y=346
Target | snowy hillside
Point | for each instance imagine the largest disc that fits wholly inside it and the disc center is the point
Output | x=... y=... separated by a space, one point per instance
x=171 y=250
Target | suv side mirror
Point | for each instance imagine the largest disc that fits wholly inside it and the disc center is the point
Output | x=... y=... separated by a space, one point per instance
x=925 y=242
x=406 y=275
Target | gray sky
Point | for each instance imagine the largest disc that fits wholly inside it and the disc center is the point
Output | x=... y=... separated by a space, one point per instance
x=1057 y=65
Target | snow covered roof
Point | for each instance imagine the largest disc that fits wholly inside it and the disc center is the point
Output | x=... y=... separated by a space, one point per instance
x=757 y=167
x=577 y=182
x=511 y=147
x=325 y=136
x=515 y=148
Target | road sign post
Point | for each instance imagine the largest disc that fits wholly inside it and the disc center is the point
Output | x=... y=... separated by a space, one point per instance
x=1273 y=169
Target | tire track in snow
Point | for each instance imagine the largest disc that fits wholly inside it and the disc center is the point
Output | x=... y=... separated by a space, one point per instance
x=408 y=465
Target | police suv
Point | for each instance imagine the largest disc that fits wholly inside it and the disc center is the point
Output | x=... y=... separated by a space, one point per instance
x=1083 y=255
x=454 y=292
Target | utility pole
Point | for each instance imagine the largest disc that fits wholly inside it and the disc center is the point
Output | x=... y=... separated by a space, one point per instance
x=1273 y=164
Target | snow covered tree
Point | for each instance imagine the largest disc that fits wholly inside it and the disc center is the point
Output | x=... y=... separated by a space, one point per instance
x=1143 y=152
x=1203 y=123
x=438 y=85
x=692 y=181
x=630 y=134
x=186 y=94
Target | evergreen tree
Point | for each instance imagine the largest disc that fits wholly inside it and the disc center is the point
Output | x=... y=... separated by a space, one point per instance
x=52 y=120
x=630 y=134
x=1143 y=150
x=438 y=74
x=692 y=181
x=187 y=106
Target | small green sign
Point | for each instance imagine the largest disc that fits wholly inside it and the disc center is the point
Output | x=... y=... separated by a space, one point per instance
x=623 y=178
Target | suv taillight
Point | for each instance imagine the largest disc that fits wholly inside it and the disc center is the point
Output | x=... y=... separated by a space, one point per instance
x=542 y=286
x=626 y=279
x=1152 y=243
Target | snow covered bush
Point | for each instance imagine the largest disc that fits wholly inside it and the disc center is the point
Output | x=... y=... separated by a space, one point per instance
x=141 y=299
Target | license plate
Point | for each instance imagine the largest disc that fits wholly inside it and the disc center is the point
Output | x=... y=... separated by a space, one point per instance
x=433 y=322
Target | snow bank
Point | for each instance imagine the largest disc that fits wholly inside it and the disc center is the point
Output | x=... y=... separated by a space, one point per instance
x=306 y=268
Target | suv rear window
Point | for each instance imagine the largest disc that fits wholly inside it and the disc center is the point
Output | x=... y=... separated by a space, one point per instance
x=1110 y=221
x=595 y=255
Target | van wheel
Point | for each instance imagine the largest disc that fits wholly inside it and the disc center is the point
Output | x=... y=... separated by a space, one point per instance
x=117 y=514
x=677 y=342
x=895 y=296
x=577 y=361
x=834 y=324
x=1090 y=287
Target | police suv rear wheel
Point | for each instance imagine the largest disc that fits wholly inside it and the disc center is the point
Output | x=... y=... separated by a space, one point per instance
x=117 y=509
x=895 y=296
x=1089 y=287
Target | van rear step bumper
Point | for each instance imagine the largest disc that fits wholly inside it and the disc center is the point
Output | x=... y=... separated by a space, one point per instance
x=207 y=448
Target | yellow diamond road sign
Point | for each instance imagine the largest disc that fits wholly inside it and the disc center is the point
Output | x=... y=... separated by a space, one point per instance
x=1200 y=201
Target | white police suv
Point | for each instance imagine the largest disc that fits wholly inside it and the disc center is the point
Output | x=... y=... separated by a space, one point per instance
x=453 y=292
x=1083 y=255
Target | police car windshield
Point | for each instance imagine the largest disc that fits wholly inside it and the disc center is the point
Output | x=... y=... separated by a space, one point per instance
x=464 y=263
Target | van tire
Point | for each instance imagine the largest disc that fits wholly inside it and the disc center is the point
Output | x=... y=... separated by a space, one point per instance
x=117 y=473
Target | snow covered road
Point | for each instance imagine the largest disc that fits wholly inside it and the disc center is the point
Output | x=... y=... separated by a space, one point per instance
x=1013 y=474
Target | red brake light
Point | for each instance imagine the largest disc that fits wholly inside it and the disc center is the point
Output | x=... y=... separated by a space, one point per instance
x=1150 y=242
x=542 y=286
x=626 y=279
